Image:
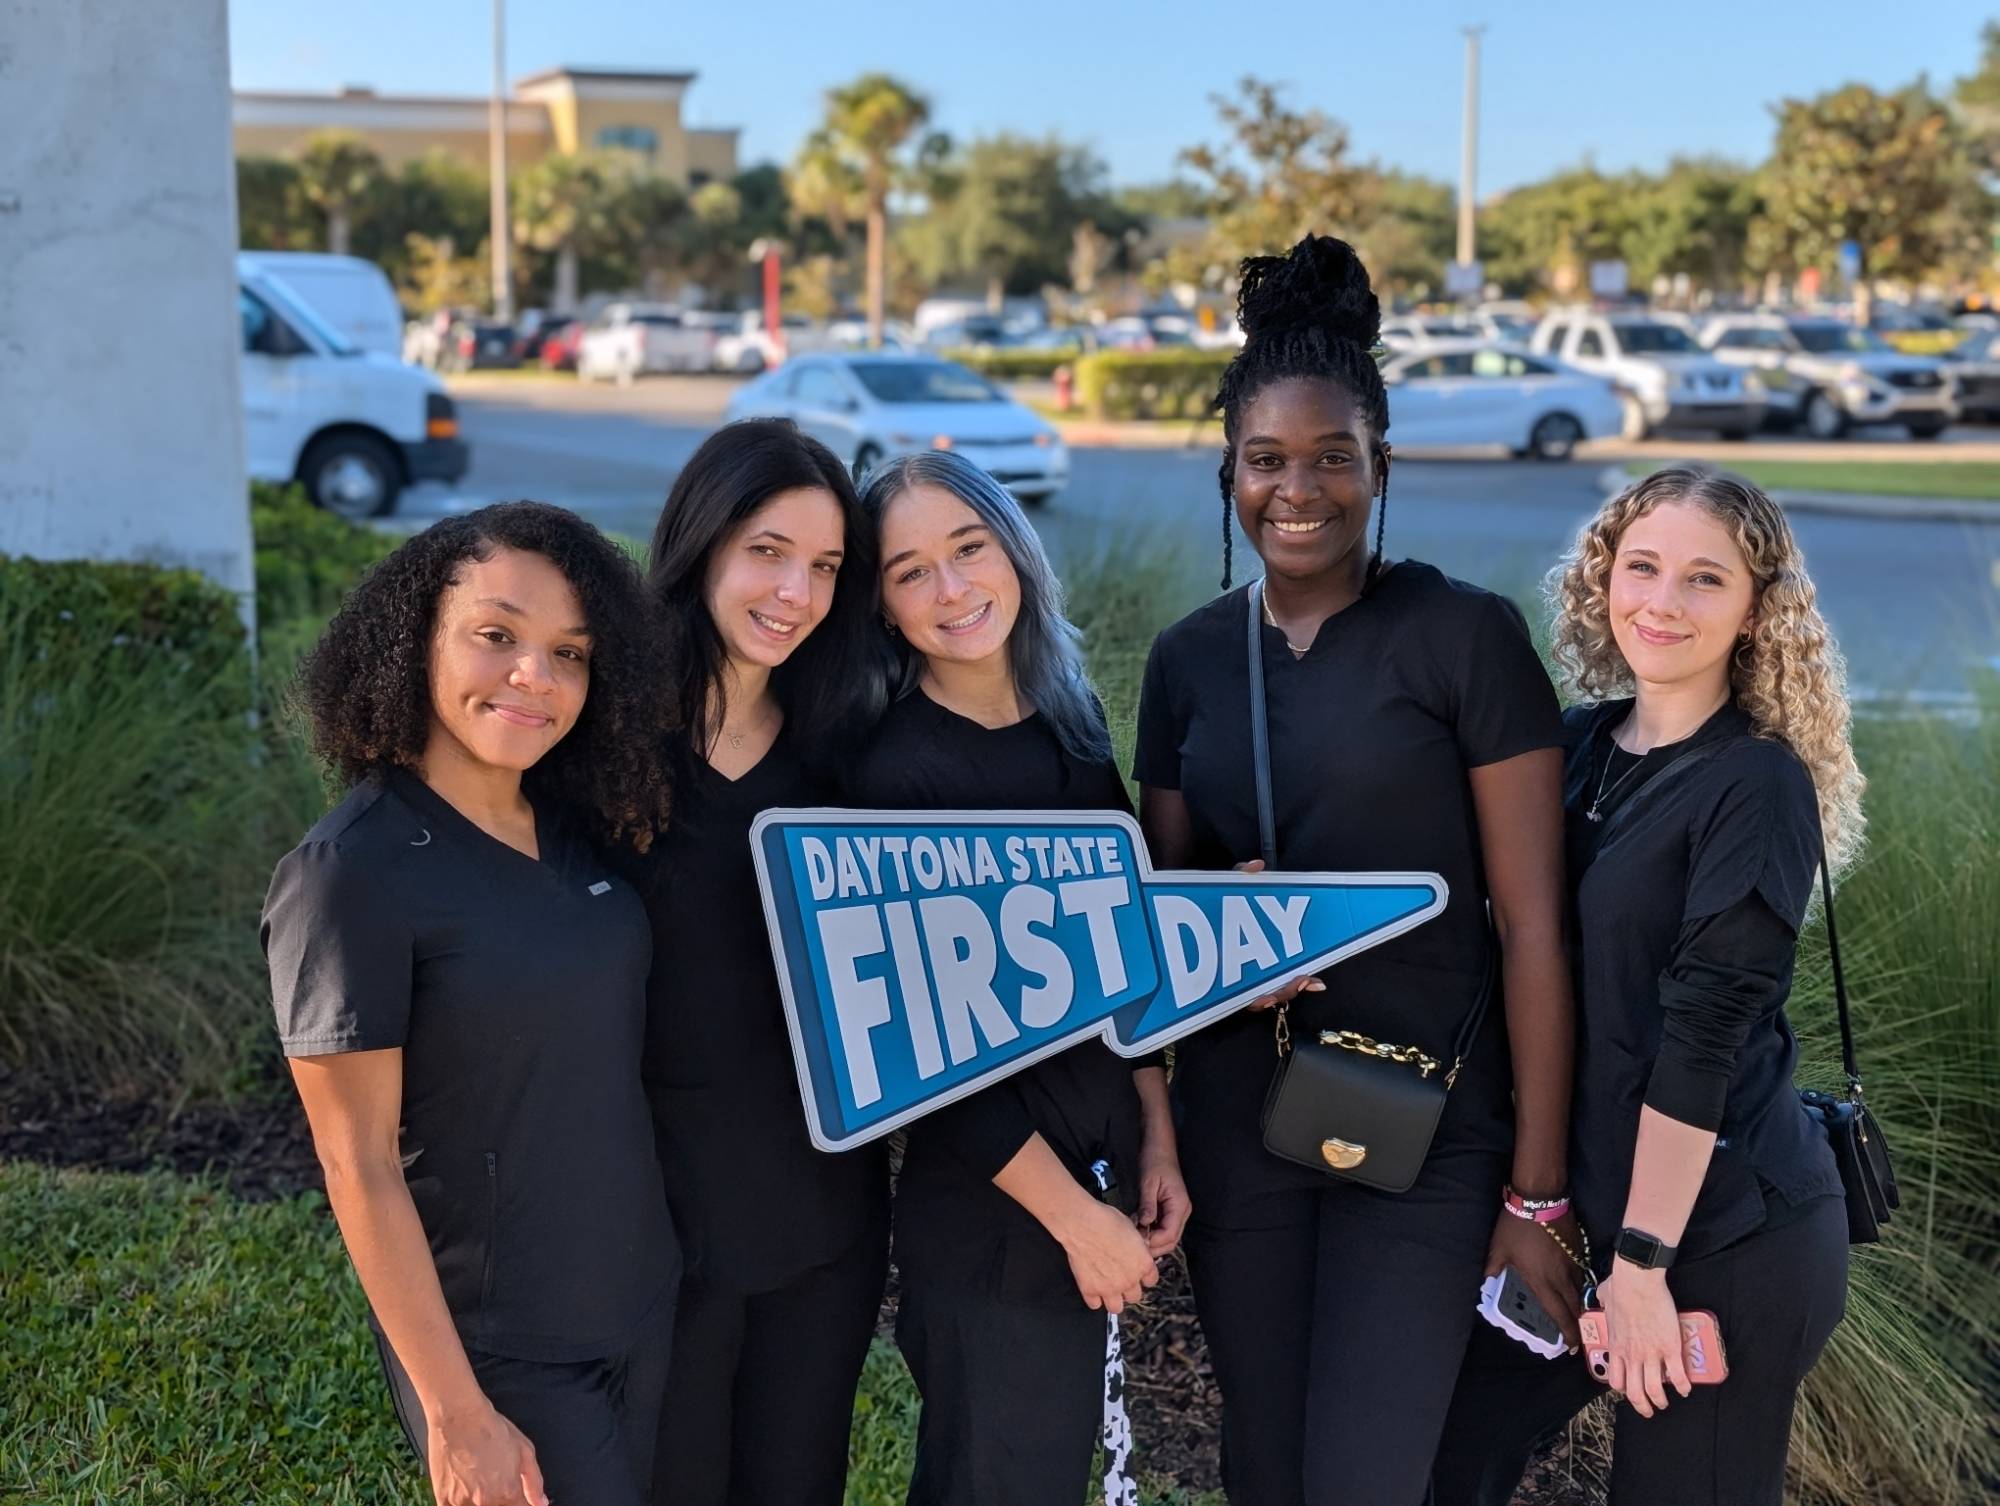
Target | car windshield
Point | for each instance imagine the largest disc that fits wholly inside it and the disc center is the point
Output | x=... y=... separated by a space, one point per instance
x=672 y=321
x=300 y=315
x=1655 y=339
x=923 y=382
x=1838 y=339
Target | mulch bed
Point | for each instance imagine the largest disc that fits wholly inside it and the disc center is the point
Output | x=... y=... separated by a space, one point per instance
x=259 y=1148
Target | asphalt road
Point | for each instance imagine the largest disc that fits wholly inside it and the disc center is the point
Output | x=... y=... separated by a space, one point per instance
x=1916 y=605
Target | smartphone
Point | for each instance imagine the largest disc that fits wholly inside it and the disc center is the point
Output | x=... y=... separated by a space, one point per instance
x=1701 y=1347
x=1508 y=1304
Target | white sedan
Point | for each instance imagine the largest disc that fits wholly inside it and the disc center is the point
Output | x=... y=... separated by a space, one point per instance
x=872 y=406
x=1472 y=392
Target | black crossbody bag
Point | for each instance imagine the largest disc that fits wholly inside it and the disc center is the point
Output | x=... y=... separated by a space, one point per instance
x=1344 y=1103
x=1858 y=1146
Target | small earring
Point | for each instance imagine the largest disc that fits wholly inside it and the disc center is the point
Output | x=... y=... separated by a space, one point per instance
x=888 y=627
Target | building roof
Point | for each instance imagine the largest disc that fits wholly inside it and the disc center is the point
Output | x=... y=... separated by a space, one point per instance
x=607 y=76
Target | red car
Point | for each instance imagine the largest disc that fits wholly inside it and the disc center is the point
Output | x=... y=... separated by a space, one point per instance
x=559 y=348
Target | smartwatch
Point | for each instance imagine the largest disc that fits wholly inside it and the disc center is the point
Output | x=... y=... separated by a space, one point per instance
x=1647 y=1251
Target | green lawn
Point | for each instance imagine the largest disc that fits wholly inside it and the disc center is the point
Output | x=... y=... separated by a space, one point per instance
x=164 y=1343
x=1889 y=478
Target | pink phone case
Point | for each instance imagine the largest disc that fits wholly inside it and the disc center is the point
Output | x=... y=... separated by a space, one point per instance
x=1701 y=1346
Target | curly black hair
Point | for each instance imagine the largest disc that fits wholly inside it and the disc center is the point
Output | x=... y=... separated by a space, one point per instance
x=1308 y=313
x=364 y=690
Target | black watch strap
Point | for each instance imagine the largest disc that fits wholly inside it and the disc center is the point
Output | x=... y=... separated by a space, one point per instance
x=1647 y=1251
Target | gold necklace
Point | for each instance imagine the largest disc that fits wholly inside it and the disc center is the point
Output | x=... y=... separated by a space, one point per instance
x=1296 y=650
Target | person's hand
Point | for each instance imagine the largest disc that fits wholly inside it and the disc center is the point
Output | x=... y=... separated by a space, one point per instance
x=1109 y=1258
x=482 y=1459
x=1285 y=992
x=1164 y=1204
x=1549 y=1274
x=1644 y=1337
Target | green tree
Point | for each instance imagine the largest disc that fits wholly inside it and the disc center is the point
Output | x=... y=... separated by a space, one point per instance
x=570 y=205
x=1005 y=212
x=1978 y=100
x=1410 y=235
x=857 y=158
x=1695 y=221
x=1277 y=174
x=438 y=197
x=340 y=176
x=1545 y=234
x=271 y=210
x=1893 y=173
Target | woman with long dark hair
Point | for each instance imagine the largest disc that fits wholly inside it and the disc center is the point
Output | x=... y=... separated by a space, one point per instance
x=1027 y=1210
x=1411 y=727
x=459 y=981
x=1709 y=776
x=761 y=563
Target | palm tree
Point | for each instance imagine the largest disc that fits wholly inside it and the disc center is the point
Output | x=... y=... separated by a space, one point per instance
x=563 y=204
x=850 y=165
x=338 y=172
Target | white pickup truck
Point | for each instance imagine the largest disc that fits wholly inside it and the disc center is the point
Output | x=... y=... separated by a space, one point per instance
x=631 y=340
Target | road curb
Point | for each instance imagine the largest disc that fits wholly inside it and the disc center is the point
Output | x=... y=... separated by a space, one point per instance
x=1615 y=478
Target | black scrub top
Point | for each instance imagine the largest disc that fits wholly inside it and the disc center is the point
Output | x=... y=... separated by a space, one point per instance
x=1689 y=894
x=953 y=1226
x=755 y=1203
x=1372 y=733
x=515 y=989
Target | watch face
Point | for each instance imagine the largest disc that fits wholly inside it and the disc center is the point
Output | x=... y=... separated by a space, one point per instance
x=1640 y=1248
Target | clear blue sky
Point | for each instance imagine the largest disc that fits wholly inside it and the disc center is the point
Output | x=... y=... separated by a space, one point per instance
x=1621 y=84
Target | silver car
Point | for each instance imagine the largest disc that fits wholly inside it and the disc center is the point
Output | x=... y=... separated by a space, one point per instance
x=1826 y=376
x=872 y=406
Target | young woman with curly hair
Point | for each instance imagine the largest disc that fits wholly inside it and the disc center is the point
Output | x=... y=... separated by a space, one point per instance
x=764 y=564
x=459 y=982
x=1708 y=777
x=1411 y=728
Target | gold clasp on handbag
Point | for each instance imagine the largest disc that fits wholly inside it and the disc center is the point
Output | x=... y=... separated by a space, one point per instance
x=1407 y=1056
x=1342 y=1155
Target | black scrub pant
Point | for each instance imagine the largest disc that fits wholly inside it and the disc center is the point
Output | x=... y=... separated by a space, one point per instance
x=1337 y=1316
x=760 y=1396
x=1777 y=1297
x=1013 y=1395
x=591 y=1421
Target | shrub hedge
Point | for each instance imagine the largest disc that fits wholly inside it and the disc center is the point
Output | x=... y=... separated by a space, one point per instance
x=1150 y=384
x=1005 y=364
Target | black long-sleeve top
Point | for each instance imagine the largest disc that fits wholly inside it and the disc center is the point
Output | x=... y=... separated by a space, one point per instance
x=1689 y=892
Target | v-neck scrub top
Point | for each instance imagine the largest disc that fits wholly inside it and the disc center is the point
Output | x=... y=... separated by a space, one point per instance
x=952 y=1223
x=1372 y=734
x=755 y=1202
x=515 y=989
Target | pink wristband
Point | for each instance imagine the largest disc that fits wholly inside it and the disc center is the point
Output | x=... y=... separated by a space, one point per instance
x=1535 y=1210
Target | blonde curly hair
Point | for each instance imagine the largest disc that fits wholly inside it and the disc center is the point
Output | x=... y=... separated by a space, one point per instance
x=1788 y=675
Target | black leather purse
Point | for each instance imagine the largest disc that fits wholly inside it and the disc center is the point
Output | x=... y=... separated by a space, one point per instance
x=1346 y=1104
x=1858 y=1146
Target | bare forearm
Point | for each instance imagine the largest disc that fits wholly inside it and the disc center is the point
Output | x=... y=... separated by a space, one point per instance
x=1668 y=1169
x=1155 y=1112
x=392 y=1257
x=1040 y=1183
x=1541 y=1035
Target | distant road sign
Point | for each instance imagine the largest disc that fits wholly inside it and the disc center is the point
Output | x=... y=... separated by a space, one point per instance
x=1465 y=279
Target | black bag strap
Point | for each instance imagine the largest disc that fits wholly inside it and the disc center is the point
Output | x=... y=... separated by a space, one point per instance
x=1847 y=1059
x=1260 y=731
x=1267 y=824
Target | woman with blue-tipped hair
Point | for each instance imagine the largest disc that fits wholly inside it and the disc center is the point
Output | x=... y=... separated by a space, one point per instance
x=1027 y=1210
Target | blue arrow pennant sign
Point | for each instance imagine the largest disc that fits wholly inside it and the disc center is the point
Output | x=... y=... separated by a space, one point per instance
x=925 y=955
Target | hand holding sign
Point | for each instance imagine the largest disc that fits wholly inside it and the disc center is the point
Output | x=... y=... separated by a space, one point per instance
x=1291 y=990
x=922 y=957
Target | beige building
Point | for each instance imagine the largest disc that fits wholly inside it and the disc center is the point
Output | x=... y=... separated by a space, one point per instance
x=561 y=110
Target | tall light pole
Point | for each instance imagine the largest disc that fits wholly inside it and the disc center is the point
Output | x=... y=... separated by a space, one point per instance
x=499 y=235
x=1468 y=151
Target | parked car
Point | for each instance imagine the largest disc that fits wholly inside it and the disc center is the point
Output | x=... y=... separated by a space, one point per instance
x=534 y=330
x=351 y=295
x=1975 y=374
x=1405 y=330
x=354 y=427
x=479 y=345
x=1827 y=375
x=1471 y=392
x=871 y=406
x=748 y=346
x=631 y=340
x=1914 y=331
x=558 y=351
x=1664 y=377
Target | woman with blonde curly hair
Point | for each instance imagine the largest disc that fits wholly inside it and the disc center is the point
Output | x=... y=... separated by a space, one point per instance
x=1708 y=775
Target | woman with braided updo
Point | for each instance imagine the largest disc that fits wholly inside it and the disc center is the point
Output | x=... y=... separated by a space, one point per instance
x=1411 y=728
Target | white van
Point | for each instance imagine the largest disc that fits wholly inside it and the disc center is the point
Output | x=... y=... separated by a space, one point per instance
x=352 y=295
x=353 y=426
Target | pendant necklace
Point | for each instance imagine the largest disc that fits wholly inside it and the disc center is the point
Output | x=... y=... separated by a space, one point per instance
x=1593 y=814
x=1296 y=650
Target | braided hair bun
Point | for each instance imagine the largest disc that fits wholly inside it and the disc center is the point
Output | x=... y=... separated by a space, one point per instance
x=1319 y=282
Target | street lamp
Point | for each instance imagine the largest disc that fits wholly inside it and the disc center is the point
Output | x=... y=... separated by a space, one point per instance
x=499 y=235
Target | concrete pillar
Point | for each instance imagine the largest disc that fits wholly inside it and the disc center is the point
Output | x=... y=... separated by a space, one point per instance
x=121 y=416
